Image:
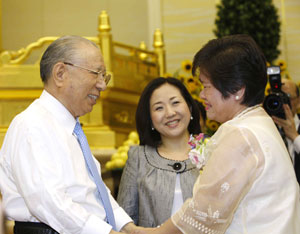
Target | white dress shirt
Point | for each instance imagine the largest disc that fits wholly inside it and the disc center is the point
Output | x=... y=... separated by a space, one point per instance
x=44 y=176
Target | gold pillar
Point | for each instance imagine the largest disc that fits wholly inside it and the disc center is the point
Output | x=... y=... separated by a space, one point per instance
x=105 y=41
x=158 y=45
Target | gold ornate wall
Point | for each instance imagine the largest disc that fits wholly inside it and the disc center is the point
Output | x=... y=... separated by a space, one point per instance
x=112 y=118
x=25 y=21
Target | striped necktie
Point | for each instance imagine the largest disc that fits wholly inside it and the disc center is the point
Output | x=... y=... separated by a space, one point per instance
x=102 y=191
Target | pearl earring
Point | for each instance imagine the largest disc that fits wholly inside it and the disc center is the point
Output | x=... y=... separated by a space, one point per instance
x=192 y=118
x=152 y=128
x=237 y=97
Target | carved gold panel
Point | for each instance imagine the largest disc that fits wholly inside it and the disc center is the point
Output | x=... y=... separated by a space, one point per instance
x=113 y=116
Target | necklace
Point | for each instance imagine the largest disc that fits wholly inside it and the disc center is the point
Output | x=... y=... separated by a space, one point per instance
x=173 y=155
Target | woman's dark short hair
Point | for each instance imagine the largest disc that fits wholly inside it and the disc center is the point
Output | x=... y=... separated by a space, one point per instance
x=231 y=63
x=143 y=118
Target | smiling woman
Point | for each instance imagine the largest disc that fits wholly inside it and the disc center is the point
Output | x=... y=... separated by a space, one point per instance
x=165 y=117
x=169 y=112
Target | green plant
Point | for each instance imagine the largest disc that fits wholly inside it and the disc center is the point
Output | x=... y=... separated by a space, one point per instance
x=257 y=18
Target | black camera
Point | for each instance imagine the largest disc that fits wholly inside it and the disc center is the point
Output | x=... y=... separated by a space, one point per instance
x=273 y=103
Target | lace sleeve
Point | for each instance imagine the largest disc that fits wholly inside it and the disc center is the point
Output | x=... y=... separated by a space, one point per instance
x=235 y=162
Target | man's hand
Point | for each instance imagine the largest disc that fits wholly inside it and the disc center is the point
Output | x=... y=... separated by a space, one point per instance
x=288 y=124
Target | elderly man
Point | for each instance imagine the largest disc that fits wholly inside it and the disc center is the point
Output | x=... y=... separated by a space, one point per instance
x=50 y=181
x=291 y=125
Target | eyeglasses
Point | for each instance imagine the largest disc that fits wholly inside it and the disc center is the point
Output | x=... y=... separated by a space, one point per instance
x=105 y=77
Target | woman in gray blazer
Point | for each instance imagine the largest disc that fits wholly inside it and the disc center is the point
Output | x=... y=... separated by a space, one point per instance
x=158 y=176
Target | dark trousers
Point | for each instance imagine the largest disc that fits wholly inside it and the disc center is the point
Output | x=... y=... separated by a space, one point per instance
x=32 y=228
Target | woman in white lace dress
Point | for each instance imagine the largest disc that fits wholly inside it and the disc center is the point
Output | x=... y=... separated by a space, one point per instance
x=248 y=184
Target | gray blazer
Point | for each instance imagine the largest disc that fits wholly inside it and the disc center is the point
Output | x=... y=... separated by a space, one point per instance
x=147 y=185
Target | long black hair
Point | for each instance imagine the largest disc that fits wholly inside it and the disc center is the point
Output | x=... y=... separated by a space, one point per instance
x=143 y=118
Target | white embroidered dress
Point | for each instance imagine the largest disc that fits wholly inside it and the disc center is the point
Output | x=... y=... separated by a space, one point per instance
x=248 y=184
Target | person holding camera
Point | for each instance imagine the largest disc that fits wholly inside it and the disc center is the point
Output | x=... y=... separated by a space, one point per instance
x=291 y=124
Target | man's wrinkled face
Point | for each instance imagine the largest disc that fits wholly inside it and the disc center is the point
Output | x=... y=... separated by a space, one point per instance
x=83 y=88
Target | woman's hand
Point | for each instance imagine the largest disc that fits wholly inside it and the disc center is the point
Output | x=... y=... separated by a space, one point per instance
x=165 y=228
x=133 y=229
x=142 y=230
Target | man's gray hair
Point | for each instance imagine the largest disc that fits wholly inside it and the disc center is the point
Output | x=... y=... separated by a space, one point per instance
x=64 y=49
